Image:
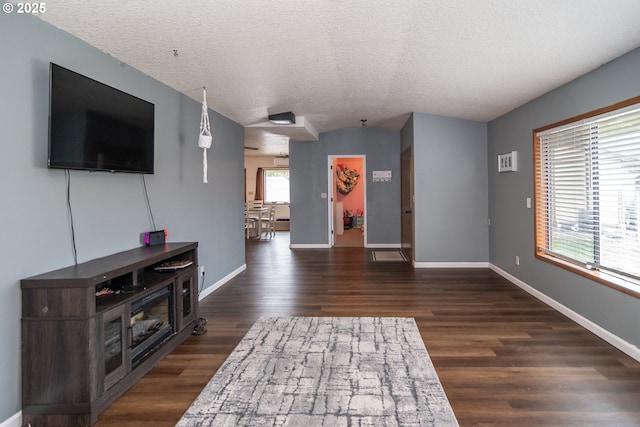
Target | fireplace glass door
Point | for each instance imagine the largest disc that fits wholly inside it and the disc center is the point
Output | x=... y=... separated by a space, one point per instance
x=152 y=322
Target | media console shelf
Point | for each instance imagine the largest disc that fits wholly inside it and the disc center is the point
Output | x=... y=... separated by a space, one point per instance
x=90 y=331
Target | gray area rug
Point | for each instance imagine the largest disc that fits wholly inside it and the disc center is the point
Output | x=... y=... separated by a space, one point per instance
x=325 y=371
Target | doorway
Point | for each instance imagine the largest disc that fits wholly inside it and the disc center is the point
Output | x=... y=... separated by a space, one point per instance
x=348 y=201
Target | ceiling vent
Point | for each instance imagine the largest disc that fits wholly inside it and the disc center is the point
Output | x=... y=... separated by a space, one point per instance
x=287 y=118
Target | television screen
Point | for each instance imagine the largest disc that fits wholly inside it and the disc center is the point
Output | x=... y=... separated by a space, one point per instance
x=96 y=127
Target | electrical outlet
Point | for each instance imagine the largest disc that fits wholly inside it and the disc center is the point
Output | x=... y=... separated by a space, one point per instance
x=517 y=260
x=201 y=270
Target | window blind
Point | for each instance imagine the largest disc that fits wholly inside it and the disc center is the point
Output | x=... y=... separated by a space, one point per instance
x=589 y=191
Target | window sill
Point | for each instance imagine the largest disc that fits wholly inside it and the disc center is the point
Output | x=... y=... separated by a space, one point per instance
x=624 y=285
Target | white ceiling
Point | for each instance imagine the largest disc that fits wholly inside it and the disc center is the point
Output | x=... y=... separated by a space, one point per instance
x=335 y=62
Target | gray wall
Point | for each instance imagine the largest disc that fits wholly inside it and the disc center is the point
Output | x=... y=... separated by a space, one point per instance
x=512 y=224
x=450 y=188
x=308 y=169
x=109 y=209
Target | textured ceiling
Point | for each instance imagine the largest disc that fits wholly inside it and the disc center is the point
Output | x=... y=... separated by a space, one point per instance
x=335 y=62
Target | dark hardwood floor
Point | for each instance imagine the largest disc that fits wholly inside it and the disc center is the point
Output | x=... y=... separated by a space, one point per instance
x=503 y=357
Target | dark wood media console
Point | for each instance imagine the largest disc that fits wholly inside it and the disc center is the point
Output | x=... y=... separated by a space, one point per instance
x=90 y=331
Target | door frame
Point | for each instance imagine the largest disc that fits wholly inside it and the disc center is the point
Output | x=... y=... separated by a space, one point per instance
x=407 y=228
x=331 y=193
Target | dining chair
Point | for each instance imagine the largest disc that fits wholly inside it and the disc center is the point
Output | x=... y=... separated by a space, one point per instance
x=250 y=225
x=268 y=223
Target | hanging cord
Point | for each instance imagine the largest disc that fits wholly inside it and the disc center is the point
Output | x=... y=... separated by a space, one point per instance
x=201 y=284
x=67 y=175
x=204 y=140
x=204 y=166
x=146 y=195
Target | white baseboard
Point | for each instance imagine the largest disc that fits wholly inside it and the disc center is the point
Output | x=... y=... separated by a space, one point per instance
x=451 y=264
x=384 y=245
x=609 y=337
x=209 y=290
x=13 y=421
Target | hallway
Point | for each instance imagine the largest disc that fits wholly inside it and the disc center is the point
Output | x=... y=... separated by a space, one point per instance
x=352 y=238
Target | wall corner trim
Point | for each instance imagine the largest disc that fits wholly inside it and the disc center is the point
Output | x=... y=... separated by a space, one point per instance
x=309 y=246
x=614 y=340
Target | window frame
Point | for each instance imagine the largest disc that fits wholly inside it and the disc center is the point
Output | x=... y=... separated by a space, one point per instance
x=264 y=185
x=619 y=282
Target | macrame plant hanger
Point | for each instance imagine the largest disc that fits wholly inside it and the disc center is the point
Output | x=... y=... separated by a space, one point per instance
x=204 y=141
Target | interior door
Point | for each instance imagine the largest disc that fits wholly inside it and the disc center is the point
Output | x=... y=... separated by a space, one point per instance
x=406 y=190
x=335 y=223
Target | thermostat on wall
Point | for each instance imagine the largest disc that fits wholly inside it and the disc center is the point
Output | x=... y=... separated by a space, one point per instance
x=508 y=162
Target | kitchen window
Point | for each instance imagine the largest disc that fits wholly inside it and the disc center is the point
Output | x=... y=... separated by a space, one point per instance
x=276 y=185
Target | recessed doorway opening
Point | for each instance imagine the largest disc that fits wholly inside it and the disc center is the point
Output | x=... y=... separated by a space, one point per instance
x=347 y=184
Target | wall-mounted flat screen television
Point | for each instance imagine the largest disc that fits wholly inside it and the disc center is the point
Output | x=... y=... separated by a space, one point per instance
x=93 y=126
